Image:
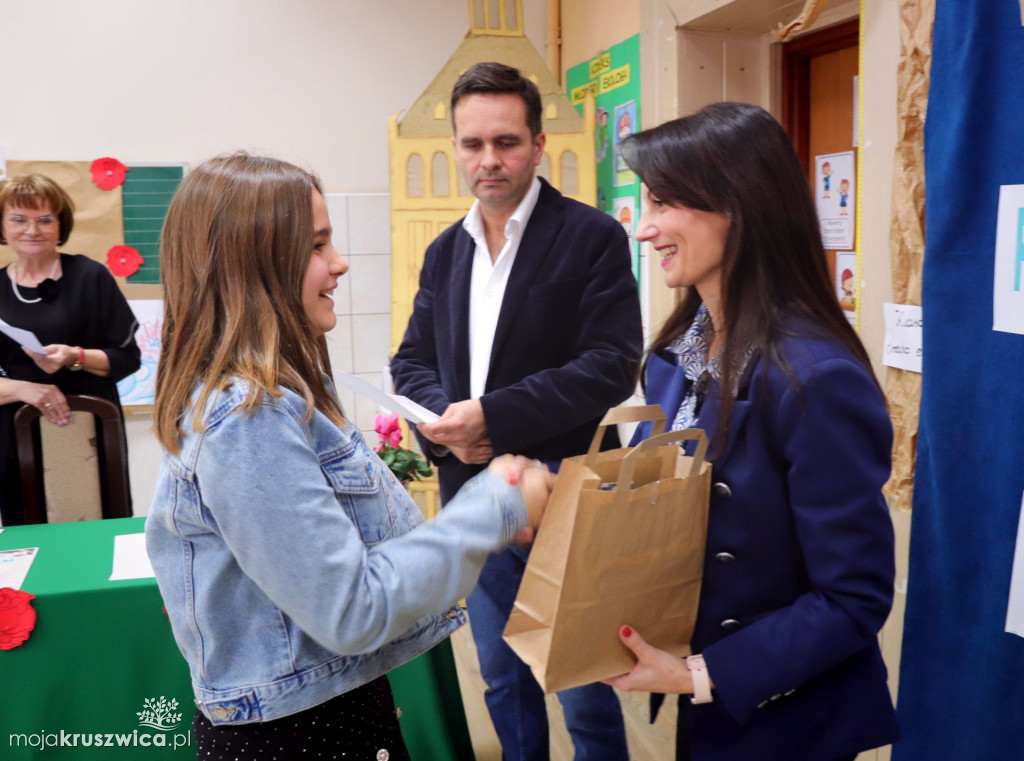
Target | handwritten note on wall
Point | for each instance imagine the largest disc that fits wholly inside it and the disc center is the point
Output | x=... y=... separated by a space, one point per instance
x=903 y=325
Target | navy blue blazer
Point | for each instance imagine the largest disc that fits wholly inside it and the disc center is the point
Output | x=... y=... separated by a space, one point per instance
x=567 y=344
x=799 y=569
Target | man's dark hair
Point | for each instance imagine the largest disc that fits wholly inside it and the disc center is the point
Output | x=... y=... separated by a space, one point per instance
x=491 y=78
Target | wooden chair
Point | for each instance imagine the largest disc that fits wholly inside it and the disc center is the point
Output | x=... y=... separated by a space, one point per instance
x=80 y=482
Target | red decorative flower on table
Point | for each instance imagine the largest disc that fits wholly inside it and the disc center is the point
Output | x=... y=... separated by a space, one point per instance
x=108 y=173
x=17 y=617
x=124 y=261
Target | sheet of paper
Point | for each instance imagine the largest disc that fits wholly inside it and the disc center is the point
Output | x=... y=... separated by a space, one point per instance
x=130 y=558
x=14 y=565
x=1015 y=605
x=404 y=406
x=903 y=328
x=24 y=338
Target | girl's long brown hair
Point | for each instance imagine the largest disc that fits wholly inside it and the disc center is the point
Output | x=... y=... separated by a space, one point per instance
x=736 y=160
x=233 y=253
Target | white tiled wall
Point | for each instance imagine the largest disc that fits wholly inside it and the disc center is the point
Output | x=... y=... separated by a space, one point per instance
x=359 y=343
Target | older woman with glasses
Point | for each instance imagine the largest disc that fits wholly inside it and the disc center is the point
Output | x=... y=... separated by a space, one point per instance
x=73 y=306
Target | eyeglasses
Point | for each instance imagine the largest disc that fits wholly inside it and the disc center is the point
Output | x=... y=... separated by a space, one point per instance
x=20 y=224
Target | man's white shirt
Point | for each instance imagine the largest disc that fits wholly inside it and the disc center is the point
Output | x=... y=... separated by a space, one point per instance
x=488 y=282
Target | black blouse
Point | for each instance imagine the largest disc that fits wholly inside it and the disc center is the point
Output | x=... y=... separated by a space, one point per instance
x=88 y=310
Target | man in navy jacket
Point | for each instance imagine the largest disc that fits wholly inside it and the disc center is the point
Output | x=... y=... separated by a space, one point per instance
x=525 y=330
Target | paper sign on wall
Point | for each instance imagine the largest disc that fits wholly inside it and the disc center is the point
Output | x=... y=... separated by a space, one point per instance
x=835 y=176
x=139 y=388
x=847 y=279
x=1008 y=291
x=903 y=328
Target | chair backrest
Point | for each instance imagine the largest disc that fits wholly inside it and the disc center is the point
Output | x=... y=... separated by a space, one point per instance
x=71 y=463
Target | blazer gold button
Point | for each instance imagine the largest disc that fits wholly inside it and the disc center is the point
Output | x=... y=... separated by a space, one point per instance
x=730 y=624
x=721 y=489
x=725 y=557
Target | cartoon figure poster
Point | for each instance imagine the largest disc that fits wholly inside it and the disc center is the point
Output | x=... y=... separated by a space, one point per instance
x=139 y=388
x=624 y=210
x=835 y=176
x=625 y=125
x=846 y=284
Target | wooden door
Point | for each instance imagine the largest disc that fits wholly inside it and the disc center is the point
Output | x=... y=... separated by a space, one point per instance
x=819 y=73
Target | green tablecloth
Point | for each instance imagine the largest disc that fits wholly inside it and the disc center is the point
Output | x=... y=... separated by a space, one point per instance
x=101 y=649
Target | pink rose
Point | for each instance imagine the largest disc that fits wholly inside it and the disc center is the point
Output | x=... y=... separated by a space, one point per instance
x=388 y=430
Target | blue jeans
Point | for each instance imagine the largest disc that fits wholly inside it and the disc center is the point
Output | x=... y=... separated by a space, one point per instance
x=593 y=715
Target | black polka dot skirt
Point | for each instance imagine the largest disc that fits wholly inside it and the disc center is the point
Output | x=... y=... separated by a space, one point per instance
x=359 y=725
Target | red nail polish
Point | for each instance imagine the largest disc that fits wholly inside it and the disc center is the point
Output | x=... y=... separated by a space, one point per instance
x=627 y=632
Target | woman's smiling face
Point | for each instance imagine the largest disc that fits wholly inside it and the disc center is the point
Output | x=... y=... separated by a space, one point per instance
x=690 y=243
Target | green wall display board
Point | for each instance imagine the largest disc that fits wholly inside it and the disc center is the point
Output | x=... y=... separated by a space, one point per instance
x=614 y=79
x=145 y=195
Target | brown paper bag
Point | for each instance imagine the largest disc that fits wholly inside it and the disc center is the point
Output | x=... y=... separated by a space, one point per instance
x=622 y=541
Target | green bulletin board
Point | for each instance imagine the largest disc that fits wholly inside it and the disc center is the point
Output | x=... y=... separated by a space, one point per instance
x=145 y=196
x=614 y=79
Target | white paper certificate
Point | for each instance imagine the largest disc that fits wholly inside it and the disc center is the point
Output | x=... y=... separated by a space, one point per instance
x=130 y=558
x=14 y=565
x=404 y=406
x=23 y=337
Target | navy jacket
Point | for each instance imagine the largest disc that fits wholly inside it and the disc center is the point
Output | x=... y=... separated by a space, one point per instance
x=798 y=574
x=566 y=347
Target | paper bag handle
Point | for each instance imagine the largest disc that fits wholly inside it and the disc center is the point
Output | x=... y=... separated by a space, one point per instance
x=625 y=482
x=633 y=414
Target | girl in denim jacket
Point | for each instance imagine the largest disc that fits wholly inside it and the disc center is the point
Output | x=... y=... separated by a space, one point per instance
x=295 y=568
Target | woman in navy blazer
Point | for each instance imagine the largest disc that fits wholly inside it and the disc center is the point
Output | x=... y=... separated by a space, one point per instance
x=798 y=573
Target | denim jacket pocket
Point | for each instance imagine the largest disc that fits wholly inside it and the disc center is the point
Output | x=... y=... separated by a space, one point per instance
x=363 y=490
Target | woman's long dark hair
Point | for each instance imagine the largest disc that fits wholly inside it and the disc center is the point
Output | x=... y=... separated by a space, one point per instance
x=735 y=159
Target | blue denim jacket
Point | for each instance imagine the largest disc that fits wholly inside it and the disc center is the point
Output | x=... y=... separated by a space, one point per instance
x=294 y=565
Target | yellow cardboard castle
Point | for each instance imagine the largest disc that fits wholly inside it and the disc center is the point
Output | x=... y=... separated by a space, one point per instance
x=427 y=191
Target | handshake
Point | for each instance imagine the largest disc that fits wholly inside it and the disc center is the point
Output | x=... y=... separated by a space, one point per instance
x=535 y=482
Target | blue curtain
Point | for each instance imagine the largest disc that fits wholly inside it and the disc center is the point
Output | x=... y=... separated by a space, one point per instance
x=961 y=693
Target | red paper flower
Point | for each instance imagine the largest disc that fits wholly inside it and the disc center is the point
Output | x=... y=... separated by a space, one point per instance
x=124 y=261
x=17 y=617
x=108 y=173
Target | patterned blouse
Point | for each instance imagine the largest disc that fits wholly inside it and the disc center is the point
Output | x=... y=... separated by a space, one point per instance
x=691 y=350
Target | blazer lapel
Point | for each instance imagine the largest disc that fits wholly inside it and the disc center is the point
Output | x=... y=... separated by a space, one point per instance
x=462 y=270
x=538 y=238
x=711 y=414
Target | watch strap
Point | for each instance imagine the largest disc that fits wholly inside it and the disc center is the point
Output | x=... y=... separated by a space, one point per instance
x=701 y=680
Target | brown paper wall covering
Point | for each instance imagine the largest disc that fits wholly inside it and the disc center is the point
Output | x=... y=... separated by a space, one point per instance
x=906 y=233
